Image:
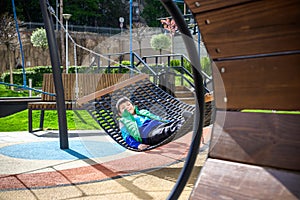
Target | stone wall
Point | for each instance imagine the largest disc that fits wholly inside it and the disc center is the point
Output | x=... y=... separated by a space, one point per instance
x=35 y=56
x=90 y=42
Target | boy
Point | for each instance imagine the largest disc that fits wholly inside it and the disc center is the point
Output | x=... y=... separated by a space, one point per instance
x=140 y=128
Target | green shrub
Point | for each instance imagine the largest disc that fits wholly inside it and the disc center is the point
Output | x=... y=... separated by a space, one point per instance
x=122 y=70
x=40 y=69
x=177 y=63
x=39 y=38
x=206 y=65
x=81 y=69
x=34 y=73
x=187 y=65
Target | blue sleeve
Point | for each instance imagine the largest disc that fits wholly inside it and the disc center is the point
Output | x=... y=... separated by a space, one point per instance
x=132 y=142
x=129 y=139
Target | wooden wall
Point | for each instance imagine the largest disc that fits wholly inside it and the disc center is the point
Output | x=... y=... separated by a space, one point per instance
x=87 y=84
x=255 y=48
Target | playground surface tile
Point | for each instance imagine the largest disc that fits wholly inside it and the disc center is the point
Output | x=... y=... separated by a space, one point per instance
x=32 y=166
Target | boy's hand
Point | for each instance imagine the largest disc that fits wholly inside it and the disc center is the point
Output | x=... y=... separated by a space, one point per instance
x=143 y=146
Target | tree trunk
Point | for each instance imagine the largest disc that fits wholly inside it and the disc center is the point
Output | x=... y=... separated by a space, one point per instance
x=62 y=36
x=140 y=47
x=172 y=44
x=44 y=58
x=160 y=54
x=10 y=63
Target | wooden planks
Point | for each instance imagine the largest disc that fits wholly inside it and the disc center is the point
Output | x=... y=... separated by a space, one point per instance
x=75 y=86
x=258 y=83
x=112 y=88
x=86 y=83
x=51 y=105
x=229 y=180
x=197 y=6
x=90 y=83
x=256 y=27
x=48 y=86
x=255 y=46
x=257 y=138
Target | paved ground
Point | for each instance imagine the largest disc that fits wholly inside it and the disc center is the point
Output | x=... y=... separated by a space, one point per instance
x=94 y=167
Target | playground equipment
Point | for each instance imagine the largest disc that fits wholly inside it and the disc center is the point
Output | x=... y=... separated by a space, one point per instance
x=146 y=95
x=87 y=83
x=198 y=80
x=256 y=52
x=255 y=49
x=24 y=86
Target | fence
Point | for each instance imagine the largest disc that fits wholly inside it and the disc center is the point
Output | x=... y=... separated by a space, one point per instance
x=100 y=30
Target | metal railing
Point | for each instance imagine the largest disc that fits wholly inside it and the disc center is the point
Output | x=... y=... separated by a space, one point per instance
x=161 y=62
x=76 y=28
x=153 y=65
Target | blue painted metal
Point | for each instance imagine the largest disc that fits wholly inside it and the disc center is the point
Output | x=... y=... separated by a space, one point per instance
x=20 y=42
x=130 y=33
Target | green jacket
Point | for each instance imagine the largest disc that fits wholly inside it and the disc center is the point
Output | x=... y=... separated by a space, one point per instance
x=131 y=125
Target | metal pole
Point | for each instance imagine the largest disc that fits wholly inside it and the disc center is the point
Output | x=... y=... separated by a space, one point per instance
x=57 y=78
x=130 y=33
x=67 y=52
x=199 y=43
x=30 y=85
x=21 y=46
x=56 y=12
x=67 y=17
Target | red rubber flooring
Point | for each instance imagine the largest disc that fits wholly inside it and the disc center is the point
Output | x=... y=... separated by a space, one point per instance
x=95 y=170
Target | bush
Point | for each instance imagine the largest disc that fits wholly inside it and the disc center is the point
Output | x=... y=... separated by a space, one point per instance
x=81 y=69
x=34 y=73
x=39 y=38
x=206 y=65
x=187 y=65
x=177 y=63
x=120 y=69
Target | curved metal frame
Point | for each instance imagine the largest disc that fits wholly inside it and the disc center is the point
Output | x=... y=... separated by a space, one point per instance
x=199 y=90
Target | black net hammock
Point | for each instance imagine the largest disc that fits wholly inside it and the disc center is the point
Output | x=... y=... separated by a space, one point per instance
x=145 y=95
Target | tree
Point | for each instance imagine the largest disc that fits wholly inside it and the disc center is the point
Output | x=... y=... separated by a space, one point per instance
x=160 y=42
x=97 y=12
x=39 y=39
x=90 y=12
x=5 y=6
x=152 y=11
x=111 y=11
x=139 y=32
x=8 y=37
x=28 y=10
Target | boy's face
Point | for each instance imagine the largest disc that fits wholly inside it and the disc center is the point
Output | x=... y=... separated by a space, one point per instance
x=126 y=106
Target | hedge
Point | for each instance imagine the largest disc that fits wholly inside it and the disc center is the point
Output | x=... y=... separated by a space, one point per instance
x=36 y=73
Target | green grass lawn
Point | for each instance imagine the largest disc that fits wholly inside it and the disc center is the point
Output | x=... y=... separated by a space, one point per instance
x=271 y=111
x=77 y=120
x=5 y=92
